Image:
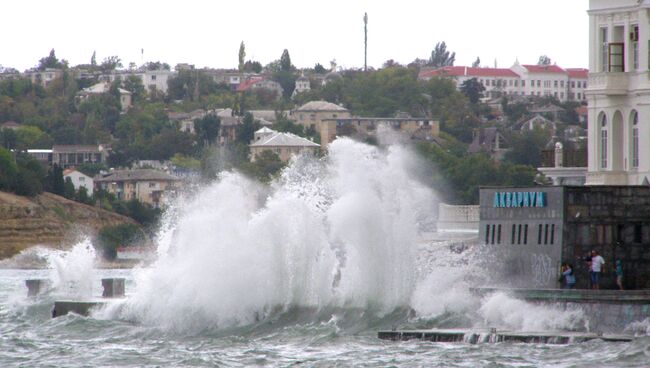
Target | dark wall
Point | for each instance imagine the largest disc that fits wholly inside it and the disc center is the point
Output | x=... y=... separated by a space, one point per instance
x=615 y=221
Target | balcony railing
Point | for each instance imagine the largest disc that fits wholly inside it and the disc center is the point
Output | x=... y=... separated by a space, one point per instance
x=608 y=83
x=570 y=158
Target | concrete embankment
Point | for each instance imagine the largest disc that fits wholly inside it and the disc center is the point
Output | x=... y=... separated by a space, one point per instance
x=47 y=219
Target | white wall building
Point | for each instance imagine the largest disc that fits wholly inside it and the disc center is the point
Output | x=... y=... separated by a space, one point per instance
x=79 y=180
x=520 y=79
x=619 y=92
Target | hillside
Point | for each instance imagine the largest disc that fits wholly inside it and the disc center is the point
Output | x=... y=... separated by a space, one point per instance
x=47 y=219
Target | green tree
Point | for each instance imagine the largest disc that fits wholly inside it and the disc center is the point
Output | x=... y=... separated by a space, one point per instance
x=526 y=147
x=54 y=182
x=266 y=165
x=319 y=69
x=82 y=196
x=134 y=85
x=207 y=129
x=50 y=61
x=473 y=89
x=242 y=56
x=477 y=63
x=7 y=170
x=93 y=59
x=68 y=189
x=285 y=61
x=544 y=60
x=246 y=131
x=253 y=67
x=110 y=238
x=111 y=63
x=440 y=56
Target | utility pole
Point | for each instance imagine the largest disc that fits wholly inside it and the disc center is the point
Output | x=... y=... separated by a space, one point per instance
x=365 y=41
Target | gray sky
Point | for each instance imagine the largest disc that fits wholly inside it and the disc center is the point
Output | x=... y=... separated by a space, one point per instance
x=208 y=33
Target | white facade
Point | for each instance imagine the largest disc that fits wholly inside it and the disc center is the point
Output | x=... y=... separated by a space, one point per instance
x=619 y=93
x=79 y=180
x=520 y=80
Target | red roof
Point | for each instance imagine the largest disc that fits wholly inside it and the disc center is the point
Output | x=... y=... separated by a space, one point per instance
x=579 y=73
x=464 y=71
x=248 y=84
x=545 y=69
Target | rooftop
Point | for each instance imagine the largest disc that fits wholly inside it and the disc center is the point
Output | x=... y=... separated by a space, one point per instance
x=321 y=106
x=284 y=139
x=135 y=175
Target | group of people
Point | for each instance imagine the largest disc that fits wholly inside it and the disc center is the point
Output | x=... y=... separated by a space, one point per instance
x=595 y=263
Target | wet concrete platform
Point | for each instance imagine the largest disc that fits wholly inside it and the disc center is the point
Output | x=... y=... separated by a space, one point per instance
x=571 y=295
x=475 y=336
x=63 y=307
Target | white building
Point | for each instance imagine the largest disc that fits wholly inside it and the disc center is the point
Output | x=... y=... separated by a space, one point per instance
x=519 y=80
x=79 y=180
x=618 y=92
x=285 y=145
x=302 y=85
x=105 y=87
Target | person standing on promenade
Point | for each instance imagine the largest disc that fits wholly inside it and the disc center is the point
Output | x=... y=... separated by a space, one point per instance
x=619 y=274
x=569 y=277
x=597 y=263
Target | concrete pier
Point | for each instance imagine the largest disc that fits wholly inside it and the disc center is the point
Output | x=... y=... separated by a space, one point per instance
x=37 y=286
x=63 y=307
x=494 y=336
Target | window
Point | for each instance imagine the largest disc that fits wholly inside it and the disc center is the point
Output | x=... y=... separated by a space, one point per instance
x=546 y=234
x=635 y=139
x=547 y=84
x=512 y=239
x=561 y=84
x=561 y=95
x=539 y=234
x=635 y=47
x=152 y=185
x=523 y=83
x=552 y=233
x=499 y=234
x=638 y=233
x=603 y=141
x=82 y=179
x=616 y=57
x=526 y=234
x=153 y=77
x=578 y=84
x=573 y=84
x=487 y=234
x=604 y=60
x=519 y=234
x=579 y=96
x=539 y=83
x=516 y=83
x=555 y=84
x=493 y=233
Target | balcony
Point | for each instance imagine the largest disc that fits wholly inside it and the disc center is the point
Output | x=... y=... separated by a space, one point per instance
x=608 y=83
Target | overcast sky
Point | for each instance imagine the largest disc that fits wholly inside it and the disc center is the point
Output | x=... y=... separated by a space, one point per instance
x=208 y=32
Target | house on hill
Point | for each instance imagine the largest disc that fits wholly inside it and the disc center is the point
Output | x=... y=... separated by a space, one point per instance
x=490 y=141
x=101 y=88
x=145 y=185
x=321 y=116
x=285 y=145
x=79 y=180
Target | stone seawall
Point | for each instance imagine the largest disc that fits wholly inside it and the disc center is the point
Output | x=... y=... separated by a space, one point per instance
x=48 y=220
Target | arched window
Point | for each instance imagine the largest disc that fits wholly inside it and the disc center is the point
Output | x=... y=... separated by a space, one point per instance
x=603 y=141
x=635 y=139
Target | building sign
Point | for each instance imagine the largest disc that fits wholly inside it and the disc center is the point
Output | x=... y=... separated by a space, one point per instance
x=519 y=199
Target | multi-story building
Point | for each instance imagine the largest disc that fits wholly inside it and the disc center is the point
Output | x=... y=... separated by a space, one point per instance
x=72 y=155
x=285 y=145
x=618 y=99
x=321 y=116
x=43 y=77
x=101 y=88
x=145 y=185
x=519 y=80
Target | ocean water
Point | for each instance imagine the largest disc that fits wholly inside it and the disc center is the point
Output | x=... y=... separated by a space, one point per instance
x=301 y=273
